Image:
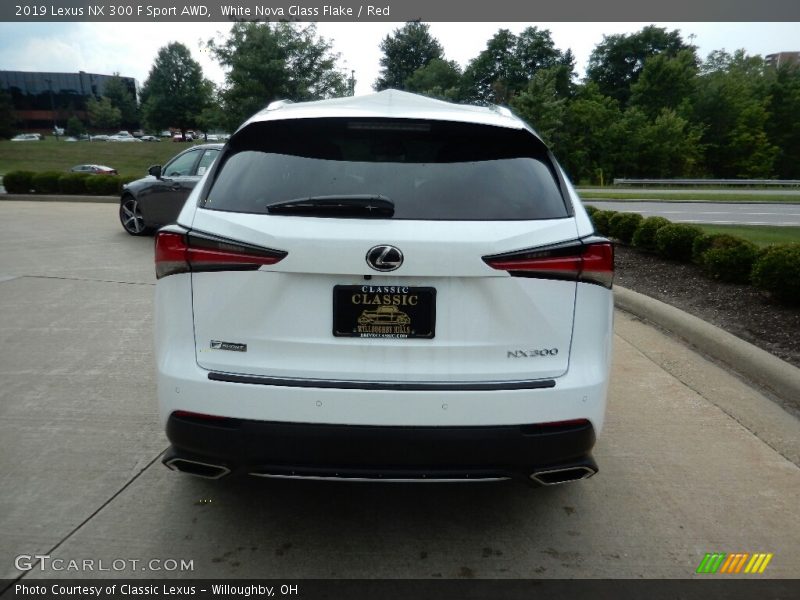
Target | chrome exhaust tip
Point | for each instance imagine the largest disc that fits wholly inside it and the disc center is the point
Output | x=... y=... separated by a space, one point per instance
x=197 y=468
x=563 y=475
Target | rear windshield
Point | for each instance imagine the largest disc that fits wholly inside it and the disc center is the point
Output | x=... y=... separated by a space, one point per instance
x=428 y=170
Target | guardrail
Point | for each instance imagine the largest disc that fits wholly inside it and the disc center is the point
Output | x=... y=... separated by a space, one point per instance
x=717 y=182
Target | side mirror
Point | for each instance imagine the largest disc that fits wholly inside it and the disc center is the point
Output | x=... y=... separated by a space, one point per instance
x=155 y=171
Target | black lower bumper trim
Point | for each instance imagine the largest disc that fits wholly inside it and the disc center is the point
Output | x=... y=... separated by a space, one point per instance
x=463 y=386
x=376 y=452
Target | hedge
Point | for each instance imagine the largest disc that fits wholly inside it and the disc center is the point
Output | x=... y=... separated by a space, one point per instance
x=72 y=183
x=46 y=182
x=103 y=185
x=56 y=182
x=728 y=258
x=645 y=235
x=623 y=225
x=601 y=221
x=675 y=241
x=18 y=182
x=777 y=270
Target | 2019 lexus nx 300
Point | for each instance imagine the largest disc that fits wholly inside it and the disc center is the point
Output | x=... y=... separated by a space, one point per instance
x=386 y=287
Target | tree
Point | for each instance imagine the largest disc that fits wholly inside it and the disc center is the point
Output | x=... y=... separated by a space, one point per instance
x=438 y=79
x=274 y=61
x=121 y=97
x=510 y=61
x=665 y=147
x=782 y=123
x=495 y=75
x=665 y=82
x=102 y=114
x=75 y=126
x=591 y=136
x=175 y=92
x=542 y=106
x=7 y=119
x=731 y=104
x=617 y=62
x=407 y=49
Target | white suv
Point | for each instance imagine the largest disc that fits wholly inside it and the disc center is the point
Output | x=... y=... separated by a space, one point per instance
x=386 y=287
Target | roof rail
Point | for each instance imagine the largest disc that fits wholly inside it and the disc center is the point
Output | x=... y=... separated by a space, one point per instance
x=502 y=110
x=275 y=105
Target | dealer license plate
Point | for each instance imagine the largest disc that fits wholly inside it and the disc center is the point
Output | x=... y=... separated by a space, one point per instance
x=378 y=311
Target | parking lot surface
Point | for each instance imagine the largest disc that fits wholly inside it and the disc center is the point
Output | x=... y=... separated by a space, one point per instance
x=692 y=460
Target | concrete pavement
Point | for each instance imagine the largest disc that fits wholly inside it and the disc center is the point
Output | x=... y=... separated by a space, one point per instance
x=692 y=459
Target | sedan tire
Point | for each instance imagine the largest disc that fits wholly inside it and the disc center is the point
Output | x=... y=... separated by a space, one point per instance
x=131 y=216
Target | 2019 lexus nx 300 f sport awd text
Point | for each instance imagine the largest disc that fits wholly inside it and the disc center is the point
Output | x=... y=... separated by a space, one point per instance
x=386 y=287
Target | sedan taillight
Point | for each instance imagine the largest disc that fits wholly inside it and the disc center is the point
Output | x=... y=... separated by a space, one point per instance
x=183 y=253
x=591 y=262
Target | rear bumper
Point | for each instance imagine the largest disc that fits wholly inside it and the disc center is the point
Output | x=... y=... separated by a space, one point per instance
x=273 y=449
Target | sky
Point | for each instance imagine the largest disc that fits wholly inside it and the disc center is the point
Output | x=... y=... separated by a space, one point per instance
x=130 y=48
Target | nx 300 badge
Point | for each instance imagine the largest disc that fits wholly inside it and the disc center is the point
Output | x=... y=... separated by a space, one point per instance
x=532 y=353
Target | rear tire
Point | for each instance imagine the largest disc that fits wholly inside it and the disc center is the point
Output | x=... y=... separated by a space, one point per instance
x=130 y=215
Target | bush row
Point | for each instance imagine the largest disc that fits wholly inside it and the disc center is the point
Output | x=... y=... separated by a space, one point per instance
x=55 y=182
x=775 y=269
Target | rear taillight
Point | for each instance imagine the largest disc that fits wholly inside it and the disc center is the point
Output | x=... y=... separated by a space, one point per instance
x=182 y=253
x=587 y=262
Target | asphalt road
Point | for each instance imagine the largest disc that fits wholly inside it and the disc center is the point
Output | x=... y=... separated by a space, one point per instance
x=692 y=459
x=711 y=212
x=699 y=191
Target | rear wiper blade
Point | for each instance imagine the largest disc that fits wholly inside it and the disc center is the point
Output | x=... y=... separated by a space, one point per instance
x=357 y=205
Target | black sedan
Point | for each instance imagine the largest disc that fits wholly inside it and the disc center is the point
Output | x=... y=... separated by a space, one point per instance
x=156 y=200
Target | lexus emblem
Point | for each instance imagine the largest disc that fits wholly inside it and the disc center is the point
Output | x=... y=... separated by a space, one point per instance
x=384 y=258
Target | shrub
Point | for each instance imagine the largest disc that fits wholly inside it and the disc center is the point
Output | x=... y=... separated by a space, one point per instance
x=675 y=241
x=591 y=210
x=18 y=182
x=777 y=270
x=601 y=221
x=72 y=183
x=645 y=235
x=729 y=258
x=623 y=225
x=46 y=182
x=102 y=185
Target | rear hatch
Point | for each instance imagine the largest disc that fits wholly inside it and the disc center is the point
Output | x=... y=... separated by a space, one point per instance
x=391 y=242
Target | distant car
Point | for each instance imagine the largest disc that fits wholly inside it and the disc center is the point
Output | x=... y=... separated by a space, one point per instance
x=179 y=138
x=149 y=138
x=212 y=137
x=94 y=169
x=27 y=137
x=138 y=133
x=156 y=200
x=121 y=137
x=99 y=138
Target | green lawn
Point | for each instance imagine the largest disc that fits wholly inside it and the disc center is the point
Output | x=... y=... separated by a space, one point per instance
x=762 y=235
x=128 y=158
x=700 y=195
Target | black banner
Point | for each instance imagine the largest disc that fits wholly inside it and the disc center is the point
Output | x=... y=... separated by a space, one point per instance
x=393 y=589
